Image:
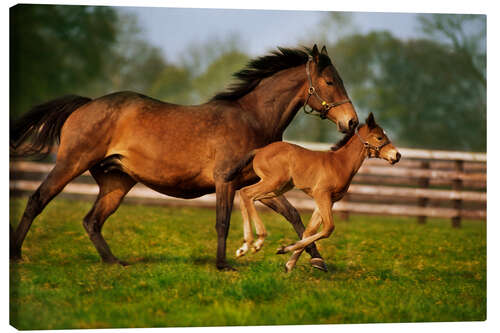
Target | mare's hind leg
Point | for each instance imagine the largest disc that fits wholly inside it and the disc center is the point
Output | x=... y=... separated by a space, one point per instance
x=63 y=172
x=282 y=206
x=224 y=193
x=113 y=186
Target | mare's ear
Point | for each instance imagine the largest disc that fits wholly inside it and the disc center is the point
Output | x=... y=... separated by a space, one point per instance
x=324 y=51
x=315 y=53
x=370 y=121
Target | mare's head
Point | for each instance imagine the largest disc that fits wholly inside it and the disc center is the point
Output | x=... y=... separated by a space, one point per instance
x=327 y=94
x=377 y=142
x=323 y=89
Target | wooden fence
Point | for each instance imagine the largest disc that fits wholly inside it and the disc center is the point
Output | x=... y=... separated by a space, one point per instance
x=425 y=183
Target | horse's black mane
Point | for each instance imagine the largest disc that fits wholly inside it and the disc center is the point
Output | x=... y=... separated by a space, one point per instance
x=342 y=142
x=262 y=67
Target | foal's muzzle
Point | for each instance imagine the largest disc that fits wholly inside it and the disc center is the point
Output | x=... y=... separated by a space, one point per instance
x=396 y=160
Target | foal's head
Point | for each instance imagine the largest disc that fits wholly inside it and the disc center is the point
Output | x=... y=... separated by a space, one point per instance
x=377 y=142
x=327 y=92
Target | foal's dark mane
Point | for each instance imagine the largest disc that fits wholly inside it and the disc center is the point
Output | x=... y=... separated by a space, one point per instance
x=342 y=142
x=262 y=67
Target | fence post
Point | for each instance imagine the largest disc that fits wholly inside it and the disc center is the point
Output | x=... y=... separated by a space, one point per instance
x=423 y=183
x=457 y=186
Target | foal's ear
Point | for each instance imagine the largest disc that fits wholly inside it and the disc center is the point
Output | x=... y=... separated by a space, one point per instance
x=324 y=51
x=370 y=121
x=315 y=53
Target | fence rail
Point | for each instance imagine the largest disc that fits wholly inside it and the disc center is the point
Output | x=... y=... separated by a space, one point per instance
x=426 y=183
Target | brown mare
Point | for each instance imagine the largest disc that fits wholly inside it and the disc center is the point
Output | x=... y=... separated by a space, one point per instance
x=182 y=151
x=325 y=176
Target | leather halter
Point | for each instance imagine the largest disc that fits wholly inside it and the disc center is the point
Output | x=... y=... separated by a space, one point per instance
x=325 y=106
x=369 y=146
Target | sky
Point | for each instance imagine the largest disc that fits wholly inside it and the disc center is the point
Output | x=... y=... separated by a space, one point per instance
x=174 y=29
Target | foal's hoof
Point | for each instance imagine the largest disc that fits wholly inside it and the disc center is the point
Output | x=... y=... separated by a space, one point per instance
x=281 y=250
x=255 y=249
x=257 y=245
x=226 y=267
x=242 y=250
x=240 y=253
x=319 y=263
x=289 y=267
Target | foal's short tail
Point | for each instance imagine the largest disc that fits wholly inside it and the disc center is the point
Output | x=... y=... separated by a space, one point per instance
x=241 y=164
x=43 y=125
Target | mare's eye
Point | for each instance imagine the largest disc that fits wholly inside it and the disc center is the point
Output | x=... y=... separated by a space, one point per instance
x=330 y=83
x=379 y=138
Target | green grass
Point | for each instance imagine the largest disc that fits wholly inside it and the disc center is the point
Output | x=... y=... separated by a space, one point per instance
x=381 y=270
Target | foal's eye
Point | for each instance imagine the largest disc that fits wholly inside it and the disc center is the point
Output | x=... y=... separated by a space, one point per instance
x=330 y=83
x=379 y=138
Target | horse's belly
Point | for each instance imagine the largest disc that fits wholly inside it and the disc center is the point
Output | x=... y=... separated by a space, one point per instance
x=180 y=185
x=182 y=181
x=184 y=192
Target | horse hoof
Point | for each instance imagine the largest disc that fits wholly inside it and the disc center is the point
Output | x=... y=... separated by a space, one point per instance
x=123 y=263
x=289 y=267
x=116 y=262
x=319 y=263
x=281 y=250
x=256 y=248
x=15 y=255
x=226 y=267
x=15 y=258
x=240 y=253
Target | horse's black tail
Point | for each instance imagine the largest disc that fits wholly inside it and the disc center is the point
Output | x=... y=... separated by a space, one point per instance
x=241 y=164
x=43 y=125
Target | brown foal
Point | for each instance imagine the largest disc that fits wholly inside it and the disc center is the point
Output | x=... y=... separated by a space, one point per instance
x=325 y=176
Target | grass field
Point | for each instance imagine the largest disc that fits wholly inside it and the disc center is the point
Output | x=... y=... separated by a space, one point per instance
x=381 y=270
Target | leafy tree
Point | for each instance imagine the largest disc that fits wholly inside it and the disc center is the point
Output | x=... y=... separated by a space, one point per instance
x=133 y=64
x=466 y=34
x=218 y=74
x=173 y=84
x=205 y=69
x=428 y=92
x=198 y=56
x=56 y=50
x=418 y=88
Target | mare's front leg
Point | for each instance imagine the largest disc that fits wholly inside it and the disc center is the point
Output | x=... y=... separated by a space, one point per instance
x=282 y=206
x=224 y=193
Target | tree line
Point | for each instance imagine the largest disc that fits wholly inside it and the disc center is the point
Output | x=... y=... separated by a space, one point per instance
x=430 y=92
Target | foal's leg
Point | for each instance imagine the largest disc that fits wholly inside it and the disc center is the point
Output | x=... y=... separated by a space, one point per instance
x=63 y=172
x=247 y=231
x=264 y=189
x=282 y=206
x=113 y=186
x=312 y=228
x=324 y=203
